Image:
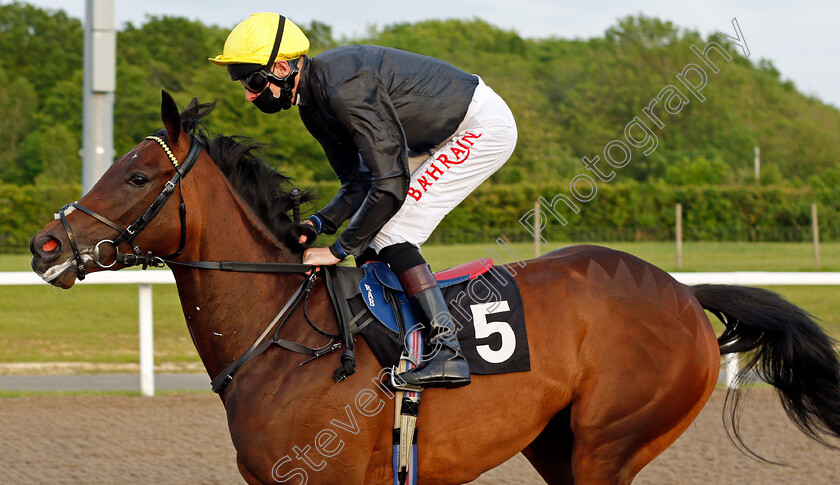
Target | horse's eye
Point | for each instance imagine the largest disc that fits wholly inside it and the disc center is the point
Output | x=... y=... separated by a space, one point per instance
x=138 y=180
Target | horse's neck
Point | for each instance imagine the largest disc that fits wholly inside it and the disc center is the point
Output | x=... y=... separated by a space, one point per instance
x=227 y=311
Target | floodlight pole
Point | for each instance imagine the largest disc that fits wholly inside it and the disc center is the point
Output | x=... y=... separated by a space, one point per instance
x=100 y=82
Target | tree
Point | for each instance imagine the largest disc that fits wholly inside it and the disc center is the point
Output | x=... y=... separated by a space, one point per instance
x=41 y=46
x=17 y=96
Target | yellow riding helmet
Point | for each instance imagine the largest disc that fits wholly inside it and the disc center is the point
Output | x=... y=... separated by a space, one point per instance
x=252 y=40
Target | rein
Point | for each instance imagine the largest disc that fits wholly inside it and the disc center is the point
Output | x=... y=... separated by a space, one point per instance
x=130 y=233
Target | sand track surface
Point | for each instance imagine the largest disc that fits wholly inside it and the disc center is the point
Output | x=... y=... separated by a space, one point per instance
x=184 y=439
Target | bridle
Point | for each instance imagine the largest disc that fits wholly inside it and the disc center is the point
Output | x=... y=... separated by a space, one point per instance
x=130 y=233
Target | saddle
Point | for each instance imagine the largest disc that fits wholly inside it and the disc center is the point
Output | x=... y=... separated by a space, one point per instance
x=370 y=301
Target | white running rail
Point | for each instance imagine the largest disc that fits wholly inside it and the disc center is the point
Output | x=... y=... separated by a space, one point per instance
x=145 y=280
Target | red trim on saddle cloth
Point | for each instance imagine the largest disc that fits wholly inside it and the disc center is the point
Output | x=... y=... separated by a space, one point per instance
x=473 y=268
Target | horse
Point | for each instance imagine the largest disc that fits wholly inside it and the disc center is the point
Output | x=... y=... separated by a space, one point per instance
x=623 y=357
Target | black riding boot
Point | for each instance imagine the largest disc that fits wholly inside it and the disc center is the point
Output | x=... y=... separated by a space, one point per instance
x=447 y=366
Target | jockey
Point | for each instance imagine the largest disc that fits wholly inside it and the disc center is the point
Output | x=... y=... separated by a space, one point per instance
x=409 y=137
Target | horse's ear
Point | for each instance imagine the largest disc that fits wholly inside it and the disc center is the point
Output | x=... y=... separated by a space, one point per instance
x=193 y=105
x=169 y=115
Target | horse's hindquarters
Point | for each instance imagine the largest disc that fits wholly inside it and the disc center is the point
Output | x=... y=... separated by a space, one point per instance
x=641 y=357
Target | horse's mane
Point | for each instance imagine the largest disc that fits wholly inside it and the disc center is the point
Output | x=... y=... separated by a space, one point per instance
x=262 y=187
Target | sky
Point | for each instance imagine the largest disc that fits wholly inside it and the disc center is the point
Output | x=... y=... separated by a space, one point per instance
x=801 y=38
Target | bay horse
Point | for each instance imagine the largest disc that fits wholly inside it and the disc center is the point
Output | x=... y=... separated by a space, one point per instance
x=623 y=357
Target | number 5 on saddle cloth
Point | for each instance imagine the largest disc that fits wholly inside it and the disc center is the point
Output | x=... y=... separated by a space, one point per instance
x=484 y=301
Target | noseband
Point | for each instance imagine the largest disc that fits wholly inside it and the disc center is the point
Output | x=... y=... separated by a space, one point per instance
x=128 y=234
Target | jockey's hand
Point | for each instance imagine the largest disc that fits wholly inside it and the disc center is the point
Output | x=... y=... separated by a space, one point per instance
x=319 y=257
x=302 y=238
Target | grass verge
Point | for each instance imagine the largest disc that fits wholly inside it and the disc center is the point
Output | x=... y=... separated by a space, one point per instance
x=98 y=323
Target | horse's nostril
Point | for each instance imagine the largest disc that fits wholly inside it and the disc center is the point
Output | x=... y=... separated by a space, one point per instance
x=46 y=247
x=50 y=246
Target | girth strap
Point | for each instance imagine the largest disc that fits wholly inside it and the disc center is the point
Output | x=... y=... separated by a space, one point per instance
x=339 y=284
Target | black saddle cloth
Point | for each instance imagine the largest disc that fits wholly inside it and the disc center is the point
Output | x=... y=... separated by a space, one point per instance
x=487 y=309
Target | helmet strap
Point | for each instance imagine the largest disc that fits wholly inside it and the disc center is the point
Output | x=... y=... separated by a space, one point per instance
x=287 y=83
x=277 y=38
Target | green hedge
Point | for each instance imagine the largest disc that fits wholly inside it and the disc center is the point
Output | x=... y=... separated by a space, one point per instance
x=619 y=212
x=25 y=209
x=642 y=211
x=647 y=212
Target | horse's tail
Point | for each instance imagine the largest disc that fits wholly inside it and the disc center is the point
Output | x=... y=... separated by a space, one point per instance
x=790 y=352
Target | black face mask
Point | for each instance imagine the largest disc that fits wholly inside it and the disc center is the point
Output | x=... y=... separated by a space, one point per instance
x=267 y=103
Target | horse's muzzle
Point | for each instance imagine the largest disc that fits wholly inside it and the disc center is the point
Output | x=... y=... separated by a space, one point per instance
x=50 y=260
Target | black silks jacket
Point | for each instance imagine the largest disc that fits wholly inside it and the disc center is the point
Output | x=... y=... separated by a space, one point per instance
x=366 y=106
